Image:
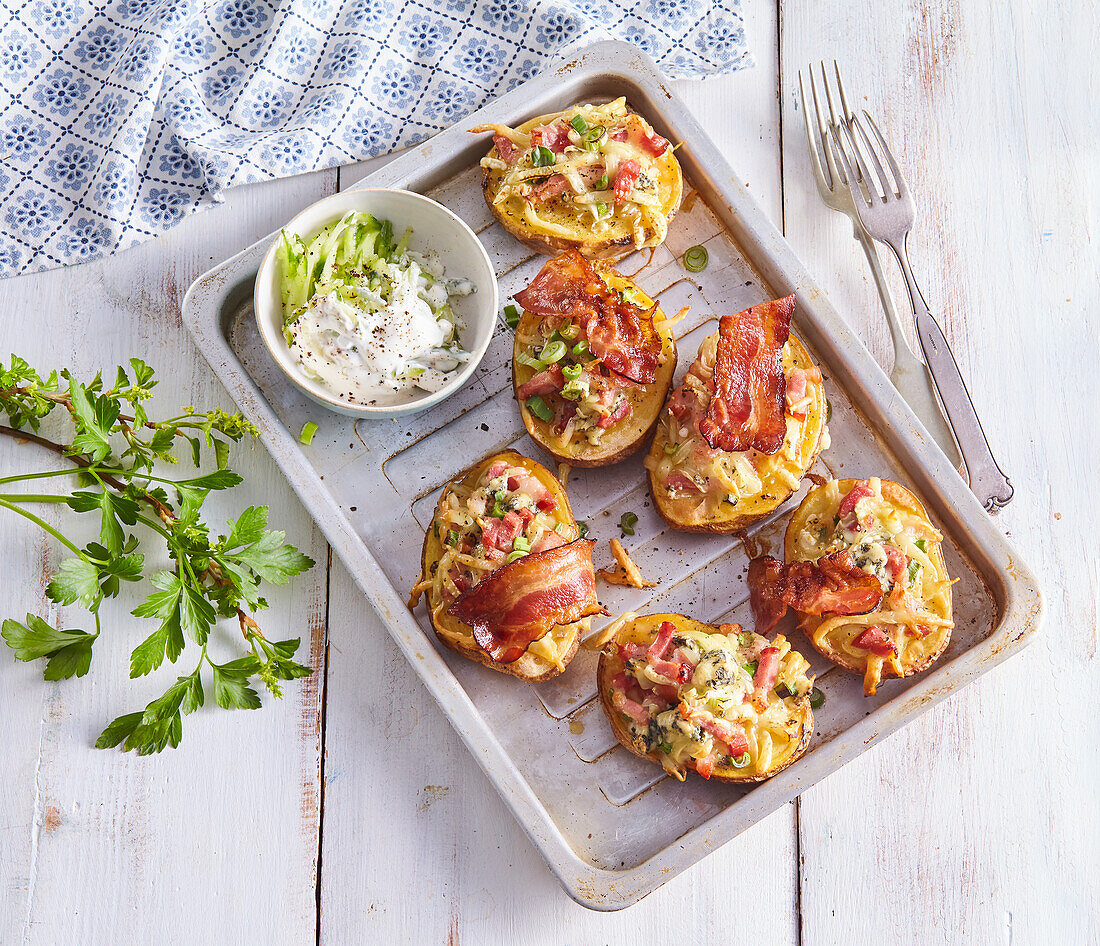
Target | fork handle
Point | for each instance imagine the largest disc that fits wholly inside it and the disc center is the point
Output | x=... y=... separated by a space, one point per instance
x=987 y=480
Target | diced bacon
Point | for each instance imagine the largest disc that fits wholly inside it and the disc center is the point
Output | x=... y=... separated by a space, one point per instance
x=705 y=766
x=732 y=630
x=520 y=481
x=629 y=707
x=660 y=643
x=667 y=691
x=732 y=735
x=855 y=494
x=501 y=533
x=555 y=136
x=632 y=651
x=767 y=669
x=526 y=515
x=616 y=415
x=672 y=670
x=545 y=382
x=683 y=401
x=498 y=468
x=796 y=394
x=683 y=482
x=620 y=135
x=548 y=540
x=551 y=187
x=896 y=562
x=625 y=178
x=564 y=412
x=874 y=639
x=506 y=149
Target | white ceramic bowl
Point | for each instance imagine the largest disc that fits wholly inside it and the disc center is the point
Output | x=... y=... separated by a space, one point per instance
x=436 y=229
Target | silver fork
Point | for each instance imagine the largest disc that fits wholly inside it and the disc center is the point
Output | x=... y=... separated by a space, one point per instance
x=909 y=375
x=886 y=211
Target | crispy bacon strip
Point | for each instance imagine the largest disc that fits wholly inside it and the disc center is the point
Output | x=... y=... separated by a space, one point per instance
x=517 y=604
x=621 y=335
x=832 y=585
x=747 y=406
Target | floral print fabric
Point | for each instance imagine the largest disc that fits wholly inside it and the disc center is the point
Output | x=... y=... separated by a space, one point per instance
x=120 y=117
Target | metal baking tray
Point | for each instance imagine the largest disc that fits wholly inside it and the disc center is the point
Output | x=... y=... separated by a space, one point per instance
x=612 y=827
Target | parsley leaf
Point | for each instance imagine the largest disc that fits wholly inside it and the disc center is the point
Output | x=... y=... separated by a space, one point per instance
x=70 y=652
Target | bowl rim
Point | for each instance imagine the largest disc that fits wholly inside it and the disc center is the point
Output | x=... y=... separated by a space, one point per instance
x=280 y=352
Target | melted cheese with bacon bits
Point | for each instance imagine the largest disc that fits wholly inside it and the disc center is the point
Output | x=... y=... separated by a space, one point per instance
x=590 y=172
x=721 y=688
x=915 y=613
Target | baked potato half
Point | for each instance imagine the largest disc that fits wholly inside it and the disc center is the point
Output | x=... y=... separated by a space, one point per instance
x=573 y=404
x=700 y=488
x=490 y=524
x=886 y=531
x=594 y=178
x=721 y=701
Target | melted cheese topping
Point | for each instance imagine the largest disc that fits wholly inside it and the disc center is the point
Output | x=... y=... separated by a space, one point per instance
x=642 y=215
x=916 y=610
x=721 y=689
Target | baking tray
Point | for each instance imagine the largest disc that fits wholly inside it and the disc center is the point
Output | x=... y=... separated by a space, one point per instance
x=612 y=827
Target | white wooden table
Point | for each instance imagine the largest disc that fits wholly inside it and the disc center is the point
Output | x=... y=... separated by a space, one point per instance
x=351 y=813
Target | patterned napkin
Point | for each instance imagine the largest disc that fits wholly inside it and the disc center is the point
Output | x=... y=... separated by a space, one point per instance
x=120 y=117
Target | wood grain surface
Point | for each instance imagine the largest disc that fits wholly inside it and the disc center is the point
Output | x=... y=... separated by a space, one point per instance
x=370 y=823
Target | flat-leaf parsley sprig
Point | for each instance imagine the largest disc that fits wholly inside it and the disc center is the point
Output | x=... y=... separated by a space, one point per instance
x=116 y=451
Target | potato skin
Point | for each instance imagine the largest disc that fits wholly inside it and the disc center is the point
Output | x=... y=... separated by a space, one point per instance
x=898 y=496
x=814 y=425
x=628 y=436
x=530 y=667
x=645 y=626
x=551 y=244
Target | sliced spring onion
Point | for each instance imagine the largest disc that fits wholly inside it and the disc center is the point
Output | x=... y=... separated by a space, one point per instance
x=632 y=295
x=511 y=316
x=561 y=529
x=579 y=124
x=914 y=570
x=750 y=667
x=784 y=690
x=452 y=537
x=582 y=528
x=514 y=556
x=671 y=448
x=571 y=372
x=308 y=430
x=601 y=209
x=553 y=352
x=542 y=157
x=817 y=699
x=580 y=350
x=603 y=184
x=695 y=259
x=525 y=358
x=744 y=638
x=569 y=331
x=627 y=522
x=537 y=406
x=741 y=761
x=922 y=545
x=521 y=544
x=590 y=140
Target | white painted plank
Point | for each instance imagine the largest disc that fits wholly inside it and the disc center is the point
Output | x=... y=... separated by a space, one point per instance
x=979 y=822
x=406 y=807
x=218 y=838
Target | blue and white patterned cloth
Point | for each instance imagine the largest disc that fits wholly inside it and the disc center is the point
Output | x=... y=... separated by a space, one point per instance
x=120 y=117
